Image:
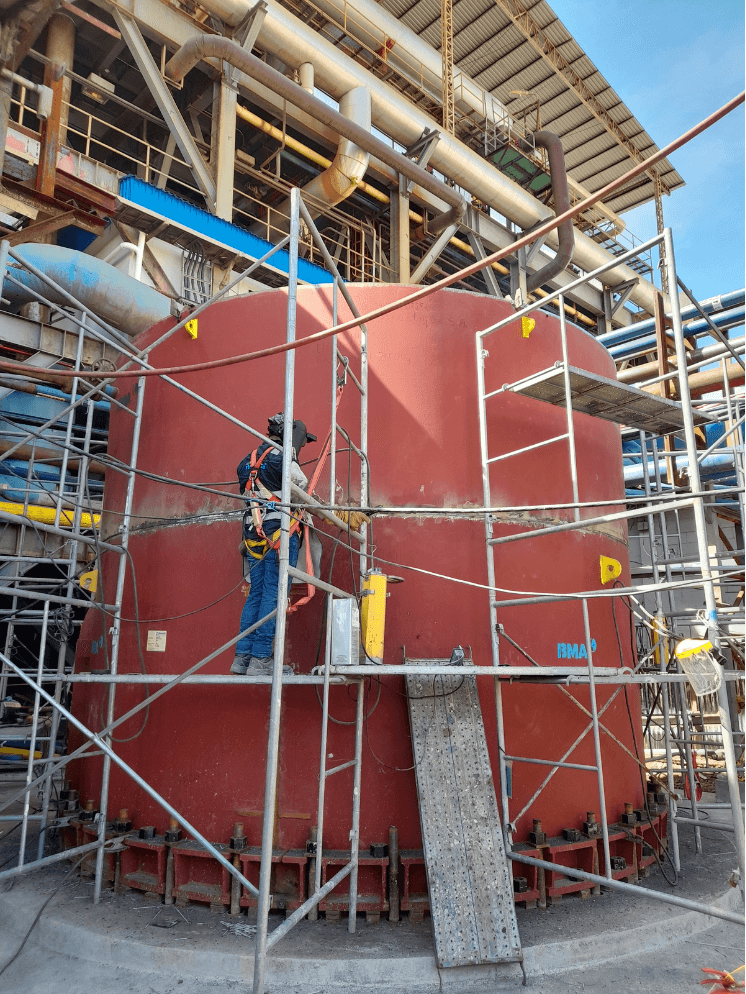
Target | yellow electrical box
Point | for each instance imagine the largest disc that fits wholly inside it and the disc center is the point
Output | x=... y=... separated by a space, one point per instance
x=373 y=614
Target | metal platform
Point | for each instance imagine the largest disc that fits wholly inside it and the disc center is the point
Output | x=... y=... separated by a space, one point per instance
x=604 y=398
x=470 y=884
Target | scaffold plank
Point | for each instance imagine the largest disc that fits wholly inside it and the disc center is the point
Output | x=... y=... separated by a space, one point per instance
x=470 y=884
x=601 y=397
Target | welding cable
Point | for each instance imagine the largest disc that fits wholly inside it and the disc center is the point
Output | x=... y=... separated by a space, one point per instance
x=536 y=233
x=40 y=912
x=576 y=702
x=101 y=606
x=672 y=882
x=579 y=595
x=123 y=467
x=420 y=697
x=187 y=614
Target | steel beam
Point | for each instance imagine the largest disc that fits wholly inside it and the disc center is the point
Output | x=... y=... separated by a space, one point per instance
x=432 y=254
x=223 y=141
x=167 y=105
x=493 y=287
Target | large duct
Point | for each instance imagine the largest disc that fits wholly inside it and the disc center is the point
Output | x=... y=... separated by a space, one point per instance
x=212 y=46
x=292 y=41
x=339 y=180
x=120 y=300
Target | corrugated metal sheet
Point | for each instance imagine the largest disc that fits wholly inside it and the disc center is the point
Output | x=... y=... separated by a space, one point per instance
x=495 y=52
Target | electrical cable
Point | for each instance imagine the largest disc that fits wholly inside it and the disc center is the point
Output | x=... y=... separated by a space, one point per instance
x=40 y=912
x=673 y=882
x=580 y=595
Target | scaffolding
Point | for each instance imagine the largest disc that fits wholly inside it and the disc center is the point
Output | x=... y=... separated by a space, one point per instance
x=567 y=387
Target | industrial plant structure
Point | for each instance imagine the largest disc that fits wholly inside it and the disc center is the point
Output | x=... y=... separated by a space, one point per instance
x=402 y=224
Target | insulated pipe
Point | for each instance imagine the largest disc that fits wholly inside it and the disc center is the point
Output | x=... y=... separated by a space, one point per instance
x=736 y=298
x=305 y=76
x=289 y=39
x=48 y=455
x=61 y=51
x=721 y=462
x=117 y=298
x=561 y=200
x=44 y=93
x=408 y=54
x=635 y=374
x=700 y=383
x=724 y=321
x=343 y=175
x=214 y=47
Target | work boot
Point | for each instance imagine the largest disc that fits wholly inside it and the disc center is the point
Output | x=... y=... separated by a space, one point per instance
x=240 y=664
x=264 y=665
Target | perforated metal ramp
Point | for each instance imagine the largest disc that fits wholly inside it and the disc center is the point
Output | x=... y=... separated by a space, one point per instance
x=604 y=398
x=470 y=884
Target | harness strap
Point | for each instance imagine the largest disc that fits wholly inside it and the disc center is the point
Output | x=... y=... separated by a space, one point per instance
x=255 y=464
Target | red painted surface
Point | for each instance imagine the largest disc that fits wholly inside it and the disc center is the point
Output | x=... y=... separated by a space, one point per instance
x=204 y=747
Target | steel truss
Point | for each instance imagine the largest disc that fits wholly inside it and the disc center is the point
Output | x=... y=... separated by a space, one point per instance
x=40 y=773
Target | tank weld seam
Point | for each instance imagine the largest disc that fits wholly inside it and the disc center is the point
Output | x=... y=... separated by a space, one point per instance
x=512 y=518
x=158 y=524
x=608 y=530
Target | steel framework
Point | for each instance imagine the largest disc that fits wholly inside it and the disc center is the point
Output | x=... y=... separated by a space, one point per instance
x=40 y=772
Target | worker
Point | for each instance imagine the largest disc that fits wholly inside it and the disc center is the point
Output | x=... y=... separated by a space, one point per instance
x=260 y=476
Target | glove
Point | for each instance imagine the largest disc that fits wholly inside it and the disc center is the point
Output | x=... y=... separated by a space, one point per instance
x=353 y=518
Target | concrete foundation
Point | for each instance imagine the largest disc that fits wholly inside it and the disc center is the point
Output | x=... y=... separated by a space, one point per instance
x=608 y=943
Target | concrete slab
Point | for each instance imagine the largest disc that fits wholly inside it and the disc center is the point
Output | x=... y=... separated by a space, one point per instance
x=609 y=943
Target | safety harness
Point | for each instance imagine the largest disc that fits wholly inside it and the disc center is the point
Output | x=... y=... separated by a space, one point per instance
x=258 y=548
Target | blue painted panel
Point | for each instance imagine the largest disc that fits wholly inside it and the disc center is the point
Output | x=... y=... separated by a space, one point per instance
x=186 y=214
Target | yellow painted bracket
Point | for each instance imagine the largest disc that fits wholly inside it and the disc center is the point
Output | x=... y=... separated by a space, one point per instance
x=89 y=581
x=192 y=327
x=527 y=326
x=610 y=569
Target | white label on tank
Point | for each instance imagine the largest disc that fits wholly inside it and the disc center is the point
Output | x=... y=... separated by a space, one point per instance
x=156 y=642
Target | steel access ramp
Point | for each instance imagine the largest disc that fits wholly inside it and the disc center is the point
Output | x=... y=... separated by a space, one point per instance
x=470 y=883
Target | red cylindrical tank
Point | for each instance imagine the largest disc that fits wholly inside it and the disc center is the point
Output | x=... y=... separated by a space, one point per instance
x=204 y=747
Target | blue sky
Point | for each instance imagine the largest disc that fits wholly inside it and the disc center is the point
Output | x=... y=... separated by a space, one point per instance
x=673 y=62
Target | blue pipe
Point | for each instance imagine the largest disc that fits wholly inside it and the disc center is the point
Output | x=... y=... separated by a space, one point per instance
x=724 y=321
x=724 y=302
x=120 y=300
x=715 y=463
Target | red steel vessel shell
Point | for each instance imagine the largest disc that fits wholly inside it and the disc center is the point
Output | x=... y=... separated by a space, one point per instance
x=204 y=747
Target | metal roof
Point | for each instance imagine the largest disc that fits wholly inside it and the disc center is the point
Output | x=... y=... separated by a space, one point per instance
x=495 y=52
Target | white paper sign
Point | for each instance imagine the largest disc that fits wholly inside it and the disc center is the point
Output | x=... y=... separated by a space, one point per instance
x=156 y=642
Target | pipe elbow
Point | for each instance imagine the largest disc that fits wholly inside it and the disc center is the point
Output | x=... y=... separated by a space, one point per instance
x=561 y=197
